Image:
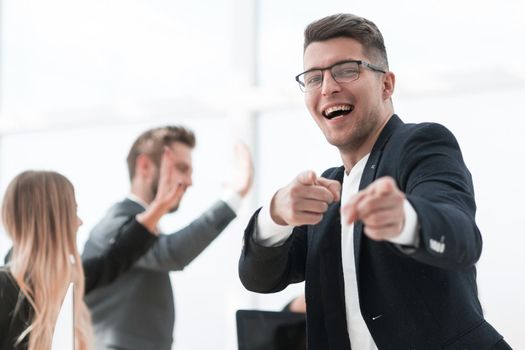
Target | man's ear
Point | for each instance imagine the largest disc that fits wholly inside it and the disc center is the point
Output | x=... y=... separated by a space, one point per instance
x=143 y=166
x=389 y=83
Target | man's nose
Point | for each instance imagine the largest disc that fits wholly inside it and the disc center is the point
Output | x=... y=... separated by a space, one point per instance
x=329 y=85
x=189 y=181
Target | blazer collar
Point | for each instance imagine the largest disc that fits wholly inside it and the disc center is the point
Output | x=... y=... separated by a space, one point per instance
x=127 y=207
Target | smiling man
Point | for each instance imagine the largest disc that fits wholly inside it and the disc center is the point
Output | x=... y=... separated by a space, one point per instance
x=386 y=243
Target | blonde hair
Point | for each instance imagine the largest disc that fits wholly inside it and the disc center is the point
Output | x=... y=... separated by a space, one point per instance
x=39 y=214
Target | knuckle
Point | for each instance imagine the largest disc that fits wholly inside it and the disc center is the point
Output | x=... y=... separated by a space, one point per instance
x=294 y=191
x=316 y=219
x=294 y=205
x=373 y=234
x=372 y=220
x=365 y=207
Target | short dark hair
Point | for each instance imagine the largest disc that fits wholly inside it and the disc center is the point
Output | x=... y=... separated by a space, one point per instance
x=152 y=142
x=349 y=26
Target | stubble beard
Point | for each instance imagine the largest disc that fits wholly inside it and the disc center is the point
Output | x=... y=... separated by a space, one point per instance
x=359 y=136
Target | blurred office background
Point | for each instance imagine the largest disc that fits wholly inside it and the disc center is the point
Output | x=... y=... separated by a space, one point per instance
x=79 y=80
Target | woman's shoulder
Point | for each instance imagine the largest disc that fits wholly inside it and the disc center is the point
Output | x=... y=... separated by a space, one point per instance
x=4 y=274
x=7 y=284
x=8 y=293
x=11 y=325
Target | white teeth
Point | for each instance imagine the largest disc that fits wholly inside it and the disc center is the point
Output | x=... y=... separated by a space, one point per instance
x=332 y=109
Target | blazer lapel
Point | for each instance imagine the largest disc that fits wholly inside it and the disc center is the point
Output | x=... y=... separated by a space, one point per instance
x=369 y=175
x=332 y=289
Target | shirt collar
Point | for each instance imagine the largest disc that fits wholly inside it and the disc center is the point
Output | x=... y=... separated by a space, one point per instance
x=138 y=200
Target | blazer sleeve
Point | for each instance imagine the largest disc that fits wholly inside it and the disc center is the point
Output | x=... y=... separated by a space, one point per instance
x=129 y=244
x=173 y=252
x=271 y=269
x=439 y=186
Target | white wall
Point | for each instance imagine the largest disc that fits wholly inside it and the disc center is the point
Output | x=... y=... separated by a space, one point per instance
x=80 y=80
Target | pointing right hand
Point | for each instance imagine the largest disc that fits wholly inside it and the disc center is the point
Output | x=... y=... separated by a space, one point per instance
x=304 y=200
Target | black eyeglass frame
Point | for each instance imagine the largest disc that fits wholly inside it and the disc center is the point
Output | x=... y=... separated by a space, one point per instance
x=360 y=63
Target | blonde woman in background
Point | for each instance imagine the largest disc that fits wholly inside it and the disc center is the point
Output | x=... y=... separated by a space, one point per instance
x=40 y=216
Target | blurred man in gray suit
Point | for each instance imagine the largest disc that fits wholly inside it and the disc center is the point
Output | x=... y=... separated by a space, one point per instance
x=137 y=311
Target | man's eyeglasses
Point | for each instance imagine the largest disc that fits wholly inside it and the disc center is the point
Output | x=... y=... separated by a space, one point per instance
x=342 y=72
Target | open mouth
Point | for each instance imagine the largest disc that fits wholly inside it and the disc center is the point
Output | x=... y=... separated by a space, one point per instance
x=337 y=111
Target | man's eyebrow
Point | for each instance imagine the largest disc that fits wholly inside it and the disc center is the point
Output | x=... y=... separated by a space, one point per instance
x=333 y=64
x=183 y=166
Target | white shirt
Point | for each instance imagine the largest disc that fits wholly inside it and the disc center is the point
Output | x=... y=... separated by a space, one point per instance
x=269 y=234
x=360 y=337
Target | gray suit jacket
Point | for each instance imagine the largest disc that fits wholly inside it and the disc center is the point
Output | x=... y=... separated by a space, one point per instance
x=136 y=312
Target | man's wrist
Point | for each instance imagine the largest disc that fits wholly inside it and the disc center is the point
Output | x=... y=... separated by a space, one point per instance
x=152 y=215
x=269 y=233
x=232 y=199
x=271 y=212
x=409 y=235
